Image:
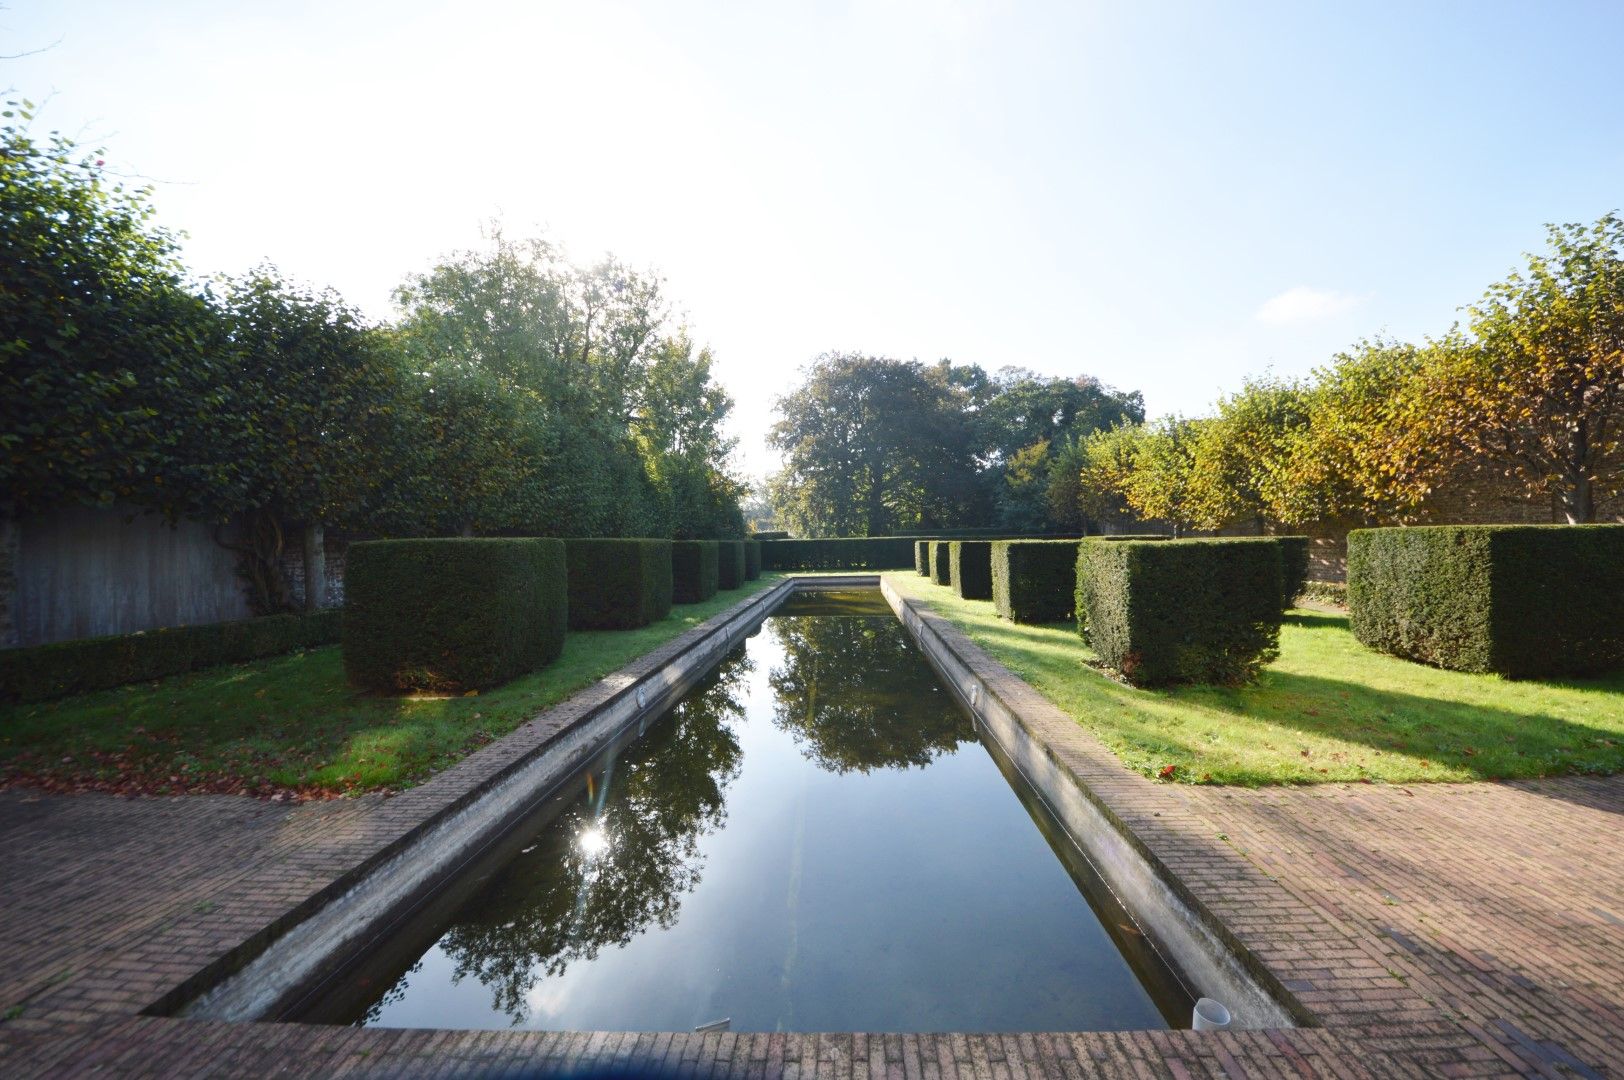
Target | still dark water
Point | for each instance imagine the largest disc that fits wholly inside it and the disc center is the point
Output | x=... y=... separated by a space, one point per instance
x=814 y=840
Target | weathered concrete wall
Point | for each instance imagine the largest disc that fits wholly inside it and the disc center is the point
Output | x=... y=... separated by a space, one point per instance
x=293 y=571
x=81 y=572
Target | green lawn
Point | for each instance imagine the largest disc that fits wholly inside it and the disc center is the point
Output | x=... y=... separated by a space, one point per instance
x=1328 y=709
x=292 y=725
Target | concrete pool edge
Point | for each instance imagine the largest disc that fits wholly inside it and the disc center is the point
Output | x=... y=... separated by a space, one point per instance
x=264 y=974
x=1027 y=728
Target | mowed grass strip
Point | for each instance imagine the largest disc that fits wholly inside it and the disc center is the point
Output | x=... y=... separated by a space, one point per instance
x=292 y=725
x=1328 y=710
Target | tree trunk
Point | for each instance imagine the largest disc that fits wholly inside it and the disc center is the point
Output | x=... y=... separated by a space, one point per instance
x=1578 y=502
x=10 y=542
x=315 y=568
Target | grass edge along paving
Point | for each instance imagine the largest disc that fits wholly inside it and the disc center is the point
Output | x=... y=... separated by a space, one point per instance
x=292 y=724
x=1328 y=710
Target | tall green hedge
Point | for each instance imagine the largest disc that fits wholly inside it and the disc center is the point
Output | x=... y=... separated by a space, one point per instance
x=1520 y=600
x=1180 y=610
x=730 y=564
x=922 y=558
x=42 y=672
x=694 y=570
x=454 y=614
x=1293 y=568
x=941 y=562
x=752 y=559
x=618 y=584
x=970 y=568
x=1033 y=581
x=860 y=553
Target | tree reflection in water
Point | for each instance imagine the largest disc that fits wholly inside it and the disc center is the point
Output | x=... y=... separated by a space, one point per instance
x=598 y=877
x=849 y=691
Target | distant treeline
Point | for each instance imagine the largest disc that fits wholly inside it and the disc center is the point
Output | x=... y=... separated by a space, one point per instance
x=876 y=447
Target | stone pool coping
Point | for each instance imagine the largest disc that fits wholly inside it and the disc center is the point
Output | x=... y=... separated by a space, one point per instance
x=82 y=962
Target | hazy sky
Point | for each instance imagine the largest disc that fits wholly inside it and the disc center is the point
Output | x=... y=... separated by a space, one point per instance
x=1166 y=196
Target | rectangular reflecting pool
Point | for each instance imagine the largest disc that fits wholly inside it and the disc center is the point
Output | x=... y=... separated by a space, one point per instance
x=814 y=839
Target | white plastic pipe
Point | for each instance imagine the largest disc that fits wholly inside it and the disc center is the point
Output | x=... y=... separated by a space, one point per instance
x=1210 y=1015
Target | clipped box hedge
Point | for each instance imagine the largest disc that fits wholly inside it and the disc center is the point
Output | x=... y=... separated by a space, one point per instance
x=1180 y=610
x=941 y=562
x=451 y=615
x=1293 y=568
x=857 y=553
x=922 y=558
x=970 y=568
x=729 y=564
x=694 y=570
x=752 y=559
x=1033 y=581
x=1520 y=600
x=618 y=584
x=43 y=672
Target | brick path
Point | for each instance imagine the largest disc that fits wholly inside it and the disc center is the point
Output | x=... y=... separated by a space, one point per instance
x=1432 y=930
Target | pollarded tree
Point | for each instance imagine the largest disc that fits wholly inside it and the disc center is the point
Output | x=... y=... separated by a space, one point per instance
x=1238 y=453
x=1536 y=394
x=109 y=368
x=318 y=386
x=1159 y=486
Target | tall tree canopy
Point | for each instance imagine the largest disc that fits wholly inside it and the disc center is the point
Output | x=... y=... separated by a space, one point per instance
x=875 y=446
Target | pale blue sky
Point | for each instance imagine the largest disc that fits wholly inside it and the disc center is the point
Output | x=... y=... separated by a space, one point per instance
x=1169 y=196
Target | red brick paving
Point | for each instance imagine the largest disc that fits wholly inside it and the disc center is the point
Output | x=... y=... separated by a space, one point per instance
x=1467 y=930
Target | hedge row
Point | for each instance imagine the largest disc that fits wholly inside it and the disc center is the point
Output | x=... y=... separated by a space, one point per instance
x=618 y=584
x=1293 y=568
x=941 y=562
x=1180 y=610
x=970 y=568
x=694 y=570
x=1035 y=581
x=922 y=558
x=1520 y=600
x=452 y=615
x=43 y=672
x=752 y=559
x=730 y=564
x=864 y=553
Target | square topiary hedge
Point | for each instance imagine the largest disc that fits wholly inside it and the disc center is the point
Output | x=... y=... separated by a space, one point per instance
x=729 y=564
x=970 y=568
x=452 y=615
x=694 y=570
x=845 y=553
x=941 y=562
x=1520 y=600
x=43 y=672
x=752 y=559
x=922 y=558
x=1033 y=581
x=1293 y=568
x=1180 y=610
x=618 y=584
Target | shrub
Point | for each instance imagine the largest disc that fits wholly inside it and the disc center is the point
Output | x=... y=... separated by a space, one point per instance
x=694 y=569
x=922 y=557
x=618 y=584
x=1325 y=592
x=752 y=559
x=1180 y=610
x=1033 y=581
x=941 y=562
x=860 y=553
x=1520 y=600
x=729 y=564
x=1293 y=568
x=771 y=535
x=970 y=568
x=43 y=672
x=452 y=614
